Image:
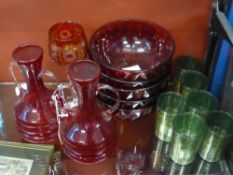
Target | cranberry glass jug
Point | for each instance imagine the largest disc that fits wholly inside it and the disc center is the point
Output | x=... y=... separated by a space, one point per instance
x=86 y=131
x=34 y=109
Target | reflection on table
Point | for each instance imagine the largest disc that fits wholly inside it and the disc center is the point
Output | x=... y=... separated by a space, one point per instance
x=160 y=162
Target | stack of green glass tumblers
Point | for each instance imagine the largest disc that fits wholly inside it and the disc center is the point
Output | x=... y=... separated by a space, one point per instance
x=190 y=121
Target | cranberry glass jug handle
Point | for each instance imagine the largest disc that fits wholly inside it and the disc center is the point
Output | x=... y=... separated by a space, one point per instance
x=49 y=74
x=63 y=105
x=20 y=88
x=109 y=112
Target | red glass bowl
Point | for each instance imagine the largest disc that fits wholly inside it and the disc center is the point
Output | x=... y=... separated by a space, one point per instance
x=132 y=50
x=132 y=85
x=124 y=104
x=132 y=114
x=141 y=93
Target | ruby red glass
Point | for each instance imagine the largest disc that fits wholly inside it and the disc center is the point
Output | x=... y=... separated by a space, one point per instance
x=67 y=42
x=34 y=110
x=132 y=50
x=131 y=85
x=87 y=133
x=138 y=94
x=127 y=114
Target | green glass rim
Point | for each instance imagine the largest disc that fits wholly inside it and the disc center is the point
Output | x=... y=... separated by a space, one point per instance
x=219 y=113
x=203 y=93
x=168 y=94
x=188 y=74
x=191 y=115
x=188 y=62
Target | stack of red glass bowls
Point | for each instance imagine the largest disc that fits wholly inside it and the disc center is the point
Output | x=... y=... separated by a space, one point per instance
x=135 y=58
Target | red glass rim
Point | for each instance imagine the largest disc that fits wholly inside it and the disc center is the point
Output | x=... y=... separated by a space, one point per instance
x=129 y=110
x=84 y=71
x=65 y=25
x=143 y=84
x=143 y=88
x=103 y=30
x=150 y=99
x=27 y=53
x=131 y=114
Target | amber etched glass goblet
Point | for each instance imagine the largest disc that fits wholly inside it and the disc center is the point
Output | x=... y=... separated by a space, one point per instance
x=67 y=42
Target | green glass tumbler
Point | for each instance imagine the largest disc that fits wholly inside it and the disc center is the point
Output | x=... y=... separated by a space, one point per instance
x=175 y=169
x=200 y=102
x=187 y=62
x=189 y=130
x=168 y=105
x=192 y=80
x=217 y=136
x=159 y=156
x=183 y=63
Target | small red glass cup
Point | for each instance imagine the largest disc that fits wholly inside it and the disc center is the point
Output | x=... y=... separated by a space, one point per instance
x=132 y=50
x=67 y=42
